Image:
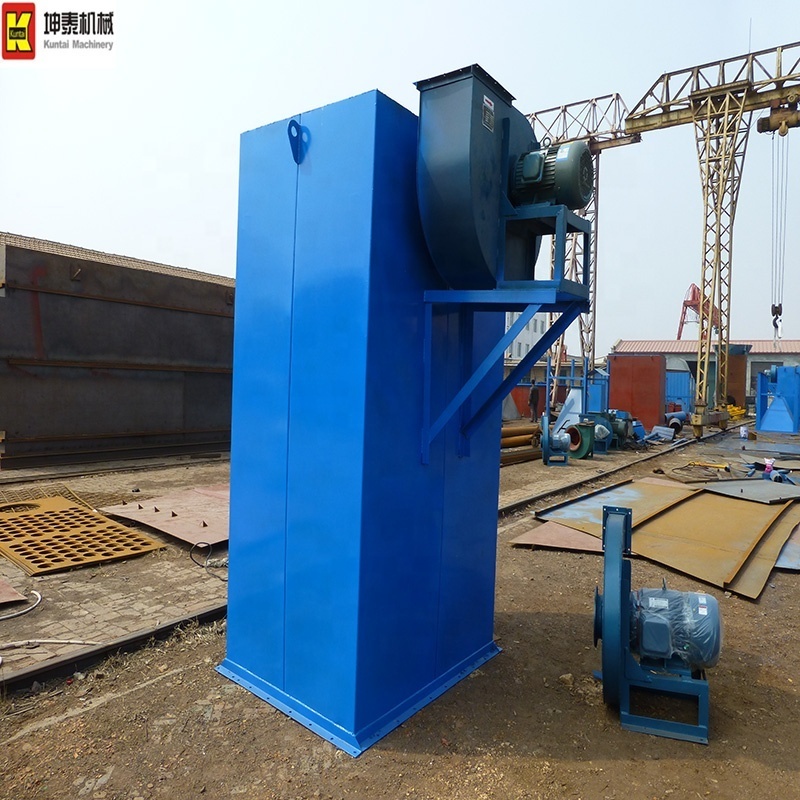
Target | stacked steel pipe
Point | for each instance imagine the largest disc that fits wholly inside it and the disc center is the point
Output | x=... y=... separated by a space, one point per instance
x=520 y=435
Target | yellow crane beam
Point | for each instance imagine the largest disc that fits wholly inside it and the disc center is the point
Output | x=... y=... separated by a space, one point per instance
x=765 y=79
x=718 y=98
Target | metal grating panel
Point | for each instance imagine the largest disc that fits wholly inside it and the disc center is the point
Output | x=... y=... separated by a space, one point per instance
x=54 y=534
x=10 y=496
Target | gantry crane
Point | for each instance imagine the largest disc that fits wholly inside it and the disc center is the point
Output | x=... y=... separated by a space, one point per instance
x=719 y=98
x=598 y=121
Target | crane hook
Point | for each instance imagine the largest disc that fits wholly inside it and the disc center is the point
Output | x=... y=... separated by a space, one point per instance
x=777 y=323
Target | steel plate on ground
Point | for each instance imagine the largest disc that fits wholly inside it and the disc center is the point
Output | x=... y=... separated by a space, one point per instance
x=644 y=499
x=708 y=536
x=8 y=594
x=756 y=489
x=554 y=535
x=789 y=557
x=53 y=534
x=656 y=481
x=194 y=516
x=754 y=574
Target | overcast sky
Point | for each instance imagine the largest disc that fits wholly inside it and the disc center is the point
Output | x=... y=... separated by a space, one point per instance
x=141 y=158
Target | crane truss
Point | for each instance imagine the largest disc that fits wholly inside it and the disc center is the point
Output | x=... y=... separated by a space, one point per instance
x=718 y=98
x=721 y=129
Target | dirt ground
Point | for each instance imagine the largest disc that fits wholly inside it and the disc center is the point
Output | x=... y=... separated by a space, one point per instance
x=531 y=723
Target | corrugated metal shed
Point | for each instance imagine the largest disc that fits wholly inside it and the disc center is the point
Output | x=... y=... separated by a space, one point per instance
x=70 y=251
x=689 y=346
x=103 y=356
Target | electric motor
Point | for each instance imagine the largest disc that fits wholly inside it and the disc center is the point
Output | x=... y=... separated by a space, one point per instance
x=562 y=174
x=676 y=636
x=622 y=425
x=555 y=444
x=666 y=623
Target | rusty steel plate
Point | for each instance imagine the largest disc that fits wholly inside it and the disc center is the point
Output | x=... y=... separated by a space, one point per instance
x=756 y=489
x=8 y=594
x=708 y=536
x=661 y=481
x=789 y=557
x=53 y=534
x=556 y=536
x=753 y=576
x=198 y=515
x=645 y=499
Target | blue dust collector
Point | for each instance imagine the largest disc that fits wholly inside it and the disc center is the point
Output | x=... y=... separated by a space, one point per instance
x=368 y=381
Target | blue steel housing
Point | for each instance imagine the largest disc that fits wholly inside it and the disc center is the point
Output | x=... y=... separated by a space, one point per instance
x=366 y=416
x=361 y=581
x=778 y=400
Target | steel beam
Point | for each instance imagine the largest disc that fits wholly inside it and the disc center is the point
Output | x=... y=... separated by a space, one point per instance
x=764 y=79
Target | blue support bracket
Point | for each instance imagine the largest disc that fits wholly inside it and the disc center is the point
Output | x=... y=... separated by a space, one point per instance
x=545 y=342
x=673 y=680
x=530 y=301
x=558 y=221
x=568 y=298
x=431 y=431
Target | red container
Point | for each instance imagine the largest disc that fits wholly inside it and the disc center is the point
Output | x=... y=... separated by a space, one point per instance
x=638 y=385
